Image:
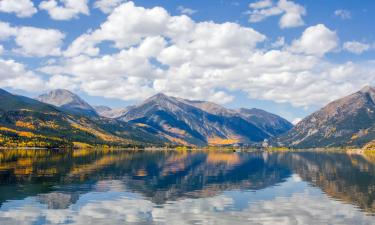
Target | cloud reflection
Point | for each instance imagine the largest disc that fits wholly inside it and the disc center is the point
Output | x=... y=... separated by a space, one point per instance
x=294 y=203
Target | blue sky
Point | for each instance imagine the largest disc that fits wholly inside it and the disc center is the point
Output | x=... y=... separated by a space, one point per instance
x=287 y=57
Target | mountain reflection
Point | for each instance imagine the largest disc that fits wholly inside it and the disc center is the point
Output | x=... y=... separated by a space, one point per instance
x=58 y=178
x=348 y=178
x=160 y=176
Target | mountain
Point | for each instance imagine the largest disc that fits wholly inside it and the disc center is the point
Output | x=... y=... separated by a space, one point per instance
x=68 y=101
x=28 y=122
x=108 y=112
x=272 y=124
x=194 y=122
x=349 y=121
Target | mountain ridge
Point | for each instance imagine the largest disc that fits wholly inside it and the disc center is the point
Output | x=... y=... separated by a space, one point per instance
x=348 y=121
x=198 y=122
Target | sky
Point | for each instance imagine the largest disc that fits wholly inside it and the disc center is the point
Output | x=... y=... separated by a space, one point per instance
x=286 y=57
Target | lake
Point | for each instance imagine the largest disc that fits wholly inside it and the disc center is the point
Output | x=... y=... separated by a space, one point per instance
x=185 y=187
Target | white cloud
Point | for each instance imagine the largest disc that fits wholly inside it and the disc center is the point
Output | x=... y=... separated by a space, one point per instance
x=356 y=47
x=65 y=9
x=291 y=12
x=127 y=25
x=259 y=15
x=16 y=76
x=6 y=30
x=22 y=8
x=33 y=41
x=153 y=33
x=154 y=51
x=61 y=82
x=343 y=14
x=187 y=11
x=280 y=42
x=107 y=6
x=261 y=4
x=84 y=44
x=44 y=42
x=316 y=40
x=158 y=52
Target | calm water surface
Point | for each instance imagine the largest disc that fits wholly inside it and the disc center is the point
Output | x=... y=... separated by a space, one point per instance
x=138 y=187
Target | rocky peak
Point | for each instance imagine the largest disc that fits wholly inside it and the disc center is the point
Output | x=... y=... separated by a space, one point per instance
x=160 y=97
x=60 y=97
x=67 y=100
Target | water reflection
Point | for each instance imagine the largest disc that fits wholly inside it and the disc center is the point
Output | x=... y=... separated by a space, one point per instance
x=177 y=187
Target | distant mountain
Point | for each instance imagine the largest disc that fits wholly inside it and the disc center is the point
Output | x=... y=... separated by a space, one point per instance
x=108 y=112
x=195 y=122
x=274 y=125
x=68 y=101
x=349 y=121
x=28 y=122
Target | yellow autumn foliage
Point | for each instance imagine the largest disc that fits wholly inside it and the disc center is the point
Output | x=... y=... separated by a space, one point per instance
x=97 y=133
x=48 y=124
x=221 y=141
x=27 y=125
x=81 y=145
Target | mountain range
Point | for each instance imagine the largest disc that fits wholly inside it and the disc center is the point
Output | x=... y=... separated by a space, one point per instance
x=62 y=118
x=181 y=121
x=201 y=123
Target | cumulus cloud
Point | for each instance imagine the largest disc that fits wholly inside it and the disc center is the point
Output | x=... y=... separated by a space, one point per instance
x=185 y=10
x=16 y=76
x=158 y=52
x=44 y=42
x=84 y=45
x=172 y=40
x=107 y=6
x=280 y=42
x=356 y=47
x=316 y=40
x=22 y=8
x=65 y=9
x=127 y=25
x=291 y=12
x=343 y=14
x=6 y=30
x=261 y=4
x=61 y=82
